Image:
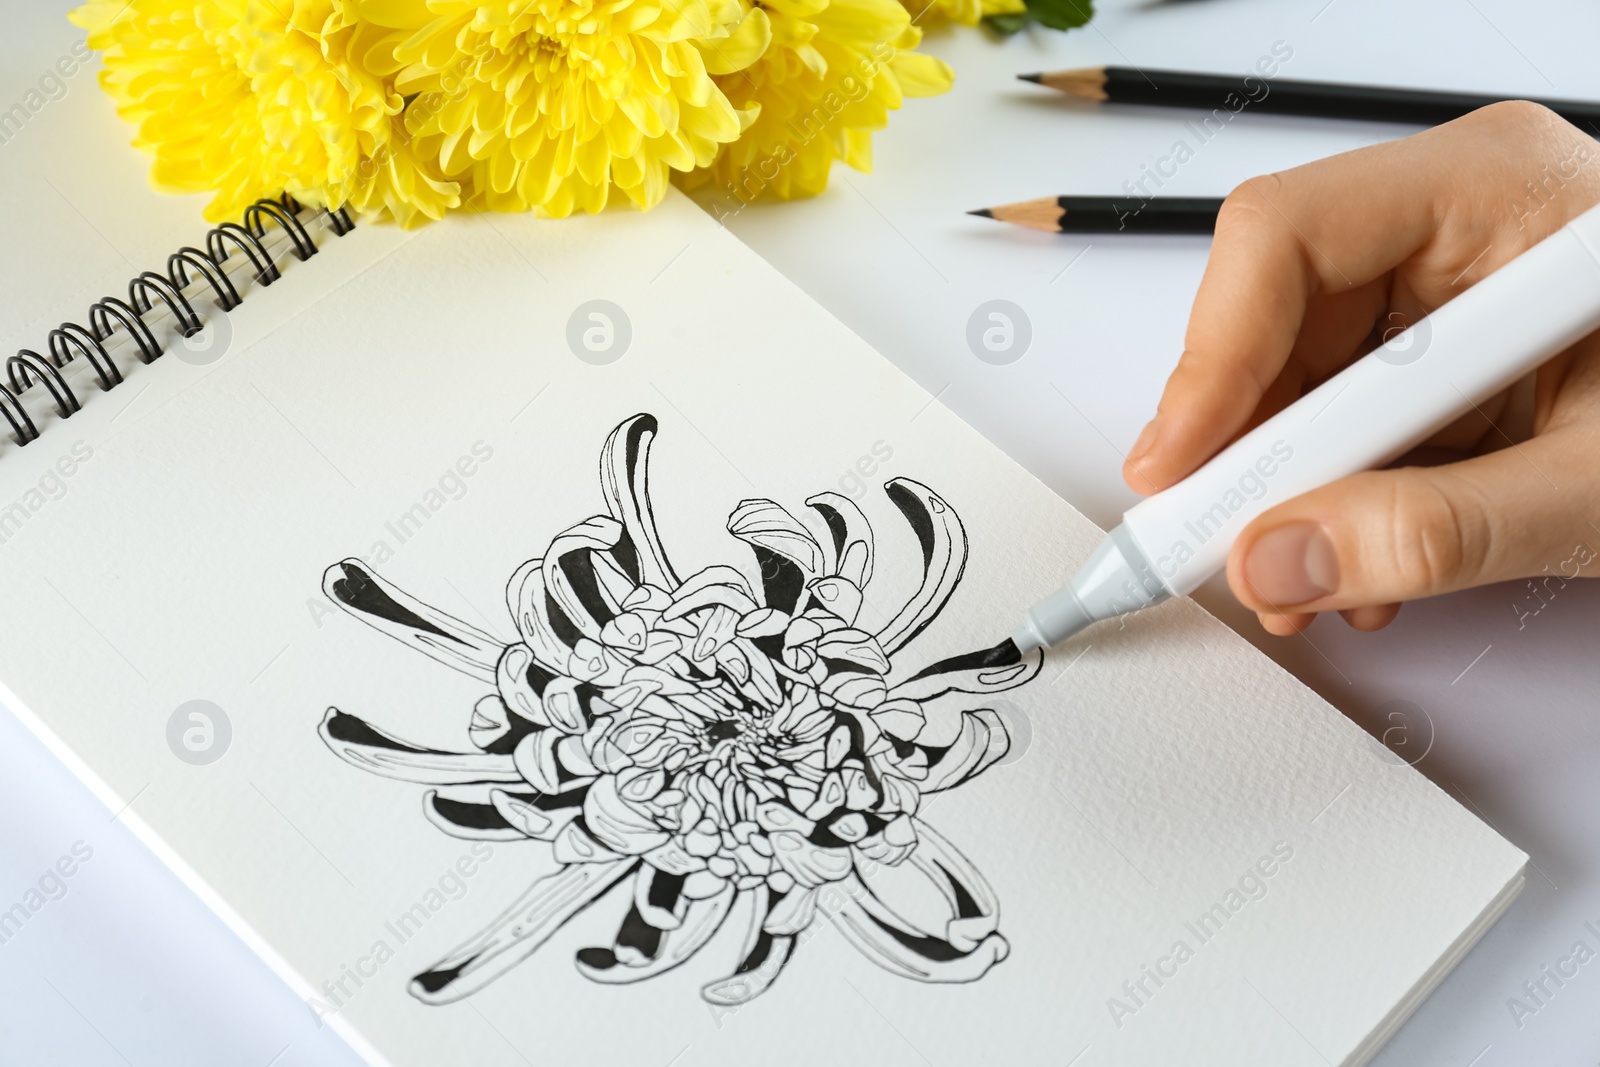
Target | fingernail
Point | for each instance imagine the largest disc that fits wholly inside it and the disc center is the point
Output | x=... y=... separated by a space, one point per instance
x=1293 y=564
x=1146 y=441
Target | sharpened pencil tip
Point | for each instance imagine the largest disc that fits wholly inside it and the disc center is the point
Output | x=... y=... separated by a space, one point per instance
x=1037 y=79
x=982 y=213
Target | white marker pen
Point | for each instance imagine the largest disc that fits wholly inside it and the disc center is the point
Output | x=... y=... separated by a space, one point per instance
x=1376 y=409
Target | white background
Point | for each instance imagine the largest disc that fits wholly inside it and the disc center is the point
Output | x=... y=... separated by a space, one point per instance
x=142 y=974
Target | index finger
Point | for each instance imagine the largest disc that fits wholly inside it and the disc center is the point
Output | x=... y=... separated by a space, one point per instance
x=1323 y=229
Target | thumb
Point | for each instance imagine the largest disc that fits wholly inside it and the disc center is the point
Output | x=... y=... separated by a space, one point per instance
x=1387 y=536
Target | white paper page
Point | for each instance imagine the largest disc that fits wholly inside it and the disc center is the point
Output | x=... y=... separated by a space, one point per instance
x=1172 y=806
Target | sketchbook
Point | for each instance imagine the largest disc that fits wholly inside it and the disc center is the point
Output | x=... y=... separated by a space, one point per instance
x=564 y=642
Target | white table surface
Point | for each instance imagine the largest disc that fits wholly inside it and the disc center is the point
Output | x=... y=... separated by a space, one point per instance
x=129 y=968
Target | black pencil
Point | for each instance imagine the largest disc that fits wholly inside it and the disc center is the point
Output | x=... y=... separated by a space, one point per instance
x=1232 y=94
x=1107 y=214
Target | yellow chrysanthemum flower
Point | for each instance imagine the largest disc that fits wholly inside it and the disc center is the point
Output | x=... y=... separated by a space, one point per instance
x=833 y=72
x=549 y=103
x=246 y=98
x=966 y=12
x=397 y=172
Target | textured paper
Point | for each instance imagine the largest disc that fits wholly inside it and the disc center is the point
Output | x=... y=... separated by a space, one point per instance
x=1153 y=766
x=1189 y=857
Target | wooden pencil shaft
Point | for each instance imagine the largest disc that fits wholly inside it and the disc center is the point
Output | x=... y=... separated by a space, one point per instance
x=1211 y=92
x=1088 y=84
x=1170 y=214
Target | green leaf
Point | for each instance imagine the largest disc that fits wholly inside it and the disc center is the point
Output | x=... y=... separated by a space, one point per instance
x=1061 y=14
x=1009 y=24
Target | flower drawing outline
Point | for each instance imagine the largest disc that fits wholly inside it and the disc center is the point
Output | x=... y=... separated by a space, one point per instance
x=706 y=742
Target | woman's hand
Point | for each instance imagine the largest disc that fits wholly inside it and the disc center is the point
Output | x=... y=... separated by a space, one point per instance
x=1314 y=267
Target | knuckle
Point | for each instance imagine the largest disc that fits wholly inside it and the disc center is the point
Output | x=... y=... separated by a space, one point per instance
x=1251 y=206
x=1439 y=538
x=1518 y=114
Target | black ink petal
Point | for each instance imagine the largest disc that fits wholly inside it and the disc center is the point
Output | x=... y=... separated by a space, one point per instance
x=358 y=591
x=433 y=981
x=781 y=581
x=342 y=726
x=917 y=515
x=578 y=566
x=1002 y=655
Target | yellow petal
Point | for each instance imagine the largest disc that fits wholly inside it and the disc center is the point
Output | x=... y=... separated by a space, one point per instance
x=742 y=47
x=858 y=151
x=398 y=14
x=922 y=75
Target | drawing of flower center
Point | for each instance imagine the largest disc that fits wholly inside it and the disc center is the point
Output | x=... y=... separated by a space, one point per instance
x=723 y=730
x=709 y=740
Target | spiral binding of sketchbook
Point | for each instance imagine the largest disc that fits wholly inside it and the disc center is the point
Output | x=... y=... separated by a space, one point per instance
x=210 y=269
